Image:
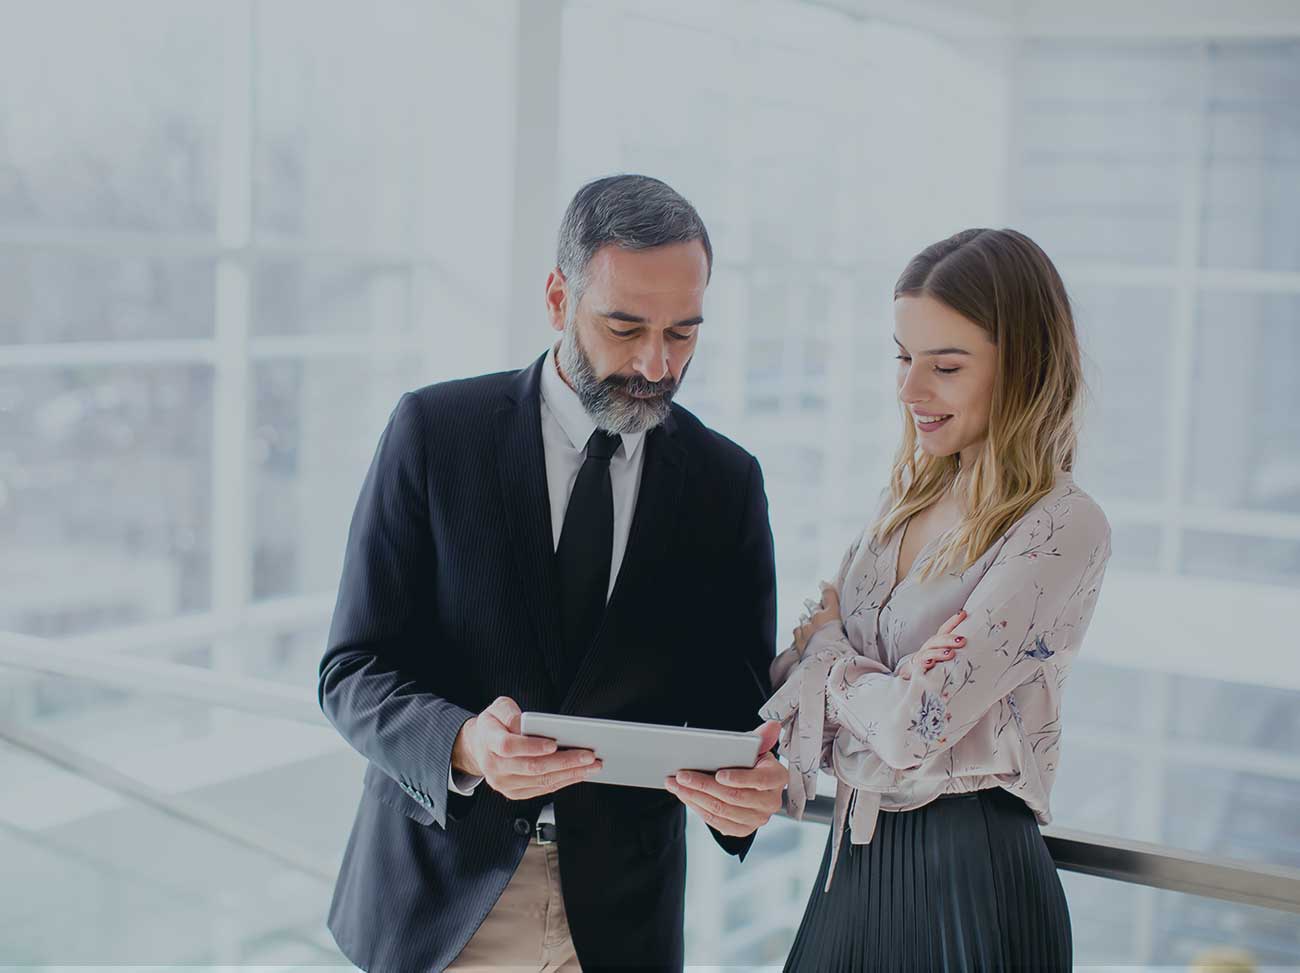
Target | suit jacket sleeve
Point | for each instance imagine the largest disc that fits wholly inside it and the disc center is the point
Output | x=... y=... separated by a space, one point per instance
x=752 y=616
x=367 y=686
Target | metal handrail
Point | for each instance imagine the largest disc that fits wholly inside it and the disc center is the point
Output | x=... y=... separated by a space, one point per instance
x=1156 y=866
x=1104 y=856
x=158 y=678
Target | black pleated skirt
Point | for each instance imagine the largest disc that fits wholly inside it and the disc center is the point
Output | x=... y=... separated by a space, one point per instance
x=964 y=883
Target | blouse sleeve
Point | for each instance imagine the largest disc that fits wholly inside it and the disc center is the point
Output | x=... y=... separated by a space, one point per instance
x=830 y=637
x=799 y=700
x=1026 y=614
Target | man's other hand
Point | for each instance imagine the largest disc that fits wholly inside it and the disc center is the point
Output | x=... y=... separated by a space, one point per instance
x=736 y=802
x=516 y=766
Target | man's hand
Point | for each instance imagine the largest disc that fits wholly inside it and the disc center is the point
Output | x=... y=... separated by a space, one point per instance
x=736 y=802
x=518 y=767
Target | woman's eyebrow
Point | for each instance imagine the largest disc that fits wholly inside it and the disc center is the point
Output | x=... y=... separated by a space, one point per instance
x=937 y=351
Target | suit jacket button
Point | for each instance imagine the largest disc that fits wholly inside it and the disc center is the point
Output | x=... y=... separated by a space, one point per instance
x=522 y=827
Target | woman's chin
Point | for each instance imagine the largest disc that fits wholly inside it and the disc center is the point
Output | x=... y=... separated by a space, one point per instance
x=939 y=450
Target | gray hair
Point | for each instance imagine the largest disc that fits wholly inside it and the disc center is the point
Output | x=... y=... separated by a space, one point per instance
x=630 y=211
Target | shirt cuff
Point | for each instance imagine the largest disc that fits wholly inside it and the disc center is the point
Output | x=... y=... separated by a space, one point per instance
x=462 y=784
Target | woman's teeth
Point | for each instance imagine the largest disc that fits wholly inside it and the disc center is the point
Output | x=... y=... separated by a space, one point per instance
x=930 y=420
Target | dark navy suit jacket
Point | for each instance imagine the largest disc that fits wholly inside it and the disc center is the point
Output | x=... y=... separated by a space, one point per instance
x=449 y=599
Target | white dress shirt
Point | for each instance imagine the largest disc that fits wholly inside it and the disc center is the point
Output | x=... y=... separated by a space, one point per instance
x=566 y=427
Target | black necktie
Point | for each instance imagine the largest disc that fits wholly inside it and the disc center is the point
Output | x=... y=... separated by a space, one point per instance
x=586 y=548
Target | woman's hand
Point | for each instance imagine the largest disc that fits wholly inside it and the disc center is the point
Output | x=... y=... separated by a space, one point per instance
x=828 y=611
x=942 y=648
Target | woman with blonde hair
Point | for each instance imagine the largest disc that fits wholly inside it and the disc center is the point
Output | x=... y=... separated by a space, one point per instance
x=983 y=537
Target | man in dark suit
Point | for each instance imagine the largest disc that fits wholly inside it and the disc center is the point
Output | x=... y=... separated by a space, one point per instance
x=563 y=539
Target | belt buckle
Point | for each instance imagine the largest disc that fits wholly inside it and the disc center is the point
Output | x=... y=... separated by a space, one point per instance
x=537 y=833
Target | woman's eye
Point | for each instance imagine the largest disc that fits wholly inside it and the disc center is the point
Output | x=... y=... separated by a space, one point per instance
x=946 y=371
x=903 y=358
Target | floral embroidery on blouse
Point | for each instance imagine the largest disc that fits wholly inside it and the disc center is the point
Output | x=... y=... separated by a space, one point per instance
x=989 y=717
x=930 y=720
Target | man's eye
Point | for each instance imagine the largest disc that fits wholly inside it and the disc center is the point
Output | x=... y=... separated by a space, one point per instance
x=677 y=336
x=621 y=334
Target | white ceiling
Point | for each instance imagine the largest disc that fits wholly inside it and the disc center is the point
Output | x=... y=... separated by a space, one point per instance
x=1075 y=18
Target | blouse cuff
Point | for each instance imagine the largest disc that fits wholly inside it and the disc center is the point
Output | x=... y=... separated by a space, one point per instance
x=840 y=681
x=831 y=637
x=801 y=706
x=809 y=717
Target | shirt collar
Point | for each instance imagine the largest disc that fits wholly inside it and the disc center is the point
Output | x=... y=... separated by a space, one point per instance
x=569 y=412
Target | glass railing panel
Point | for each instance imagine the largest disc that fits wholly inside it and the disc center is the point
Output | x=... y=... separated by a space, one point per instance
x=124 y=883
x=1117 y=924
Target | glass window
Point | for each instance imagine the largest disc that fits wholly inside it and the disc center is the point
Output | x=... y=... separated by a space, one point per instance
x=135 y=90
x=104 y=467
x=1126 y=334
x=1104 y=136
x=1251 y=216
x=186 y=502
x=1246 y=408
x=314 y=426
x=48 y=296
x=293 y=296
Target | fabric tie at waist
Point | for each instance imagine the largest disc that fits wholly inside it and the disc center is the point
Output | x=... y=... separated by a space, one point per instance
x=803 y=746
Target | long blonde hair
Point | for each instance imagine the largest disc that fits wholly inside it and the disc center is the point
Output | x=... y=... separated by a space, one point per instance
x=1002 y=281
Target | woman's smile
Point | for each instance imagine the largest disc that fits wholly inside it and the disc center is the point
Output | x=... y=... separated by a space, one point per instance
x=930 y=422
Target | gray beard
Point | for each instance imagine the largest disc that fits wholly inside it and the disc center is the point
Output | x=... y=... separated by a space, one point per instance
x=608 y=401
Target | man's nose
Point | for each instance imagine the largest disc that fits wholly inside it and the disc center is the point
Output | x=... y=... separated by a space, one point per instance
x=652 y=359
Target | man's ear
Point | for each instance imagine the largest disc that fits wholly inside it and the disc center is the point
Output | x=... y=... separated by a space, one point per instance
x=557 y=298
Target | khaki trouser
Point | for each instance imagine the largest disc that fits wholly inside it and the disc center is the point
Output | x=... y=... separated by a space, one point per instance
x=527 y=929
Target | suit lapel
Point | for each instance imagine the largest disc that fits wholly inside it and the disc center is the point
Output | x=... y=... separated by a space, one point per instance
x=521 y=465
x=647 y=542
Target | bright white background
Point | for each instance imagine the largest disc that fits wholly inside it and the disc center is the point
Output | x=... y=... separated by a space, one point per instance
x=231 y=234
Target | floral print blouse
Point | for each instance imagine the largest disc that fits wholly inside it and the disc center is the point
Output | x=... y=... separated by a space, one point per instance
x=991 y=716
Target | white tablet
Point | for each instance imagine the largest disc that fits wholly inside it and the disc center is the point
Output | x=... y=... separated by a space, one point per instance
x=644 y=754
